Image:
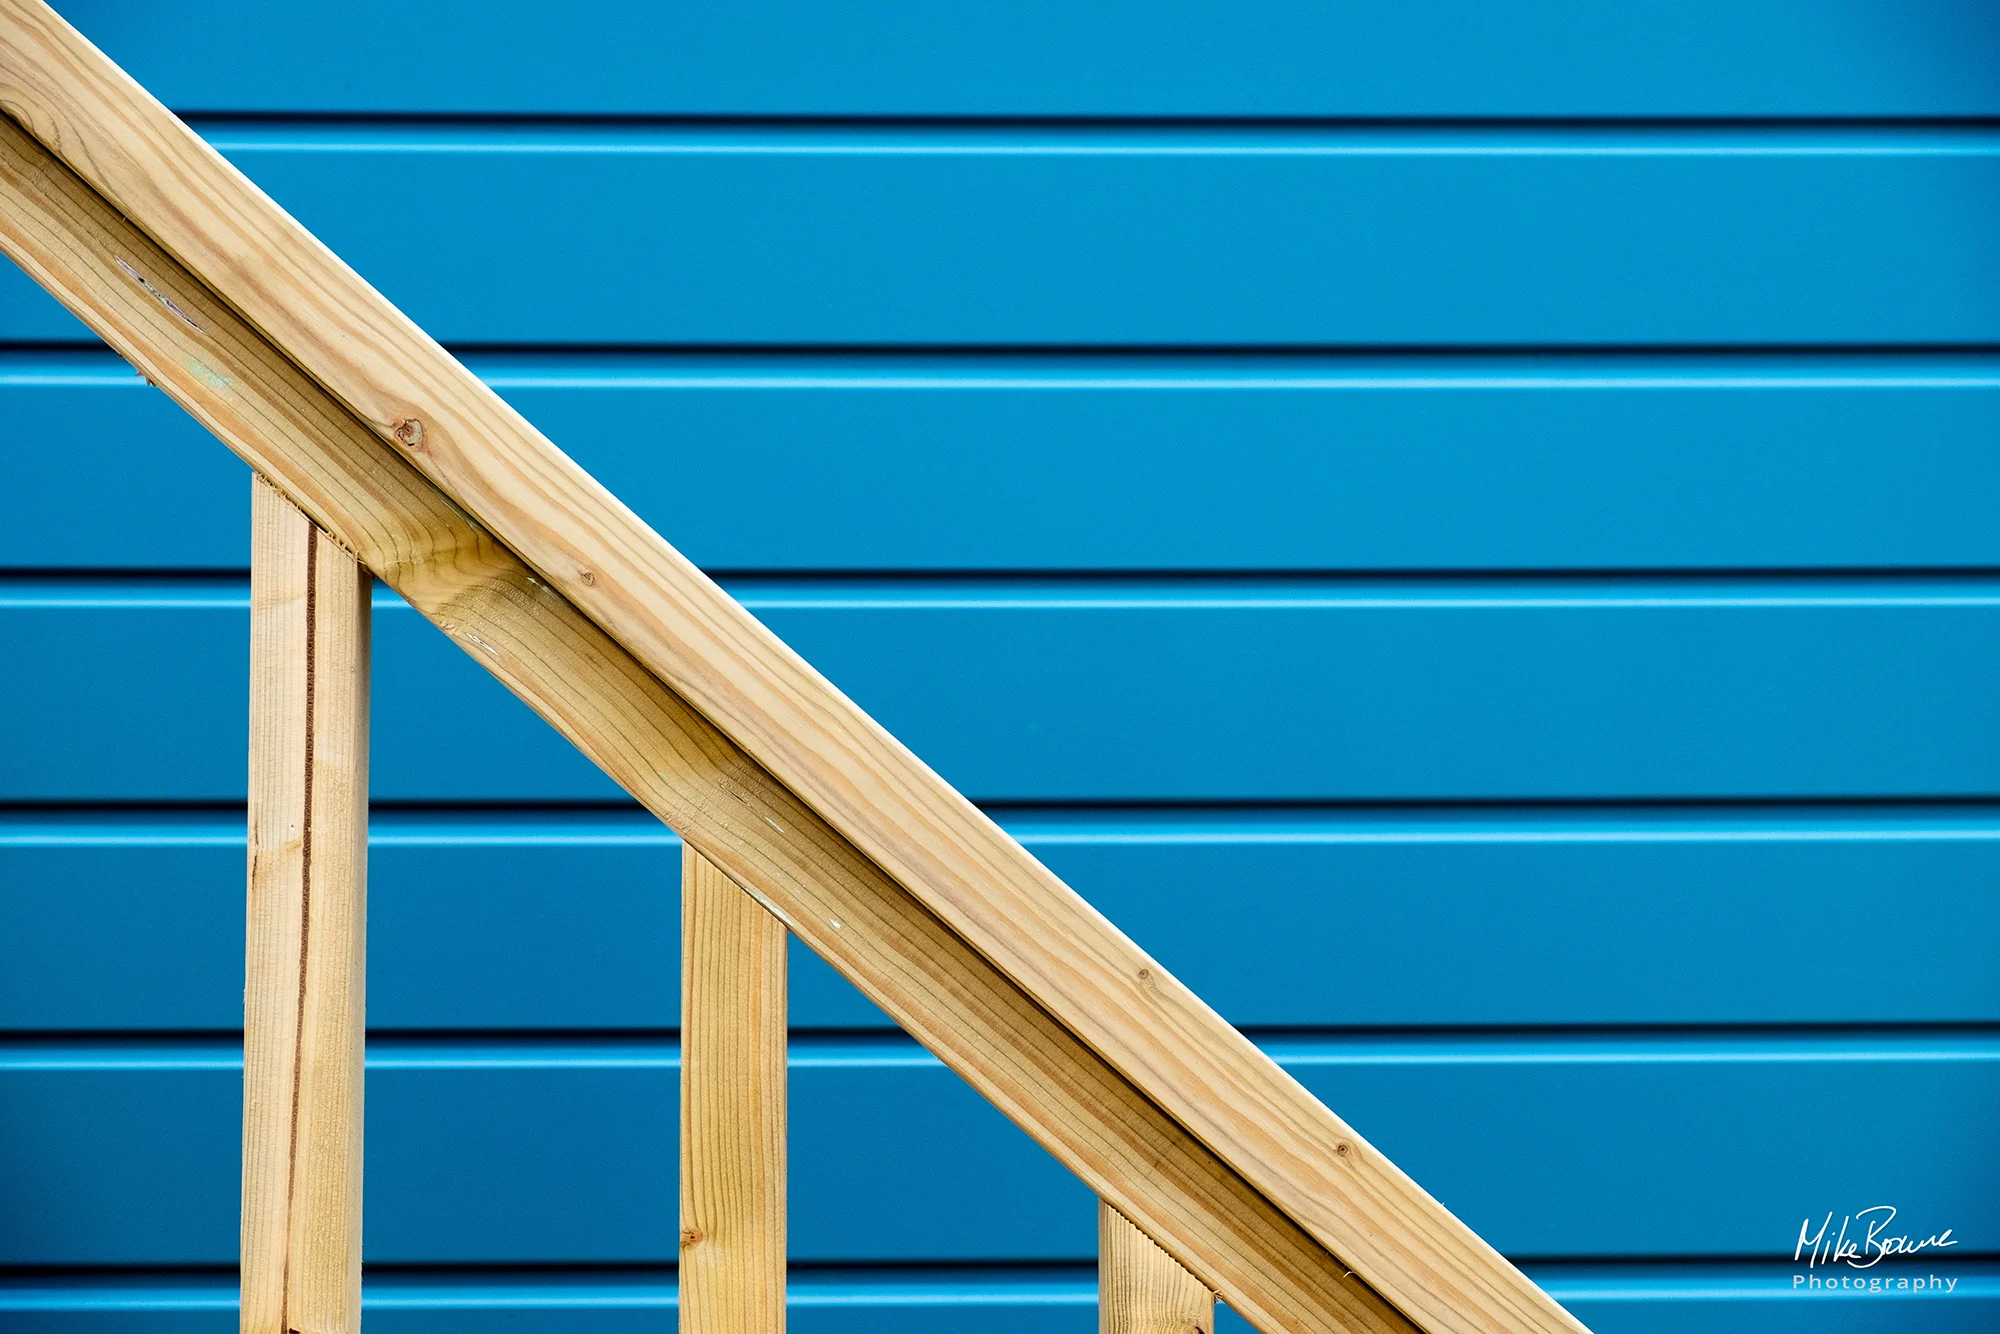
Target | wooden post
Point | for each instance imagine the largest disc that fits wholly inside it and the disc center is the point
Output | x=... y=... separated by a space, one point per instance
x=303 y=1006
x=732 y=1267
x=1140 y=1288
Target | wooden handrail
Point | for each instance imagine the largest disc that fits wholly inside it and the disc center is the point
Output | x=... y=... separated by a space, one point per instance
x=673 y=761
x=443 y=491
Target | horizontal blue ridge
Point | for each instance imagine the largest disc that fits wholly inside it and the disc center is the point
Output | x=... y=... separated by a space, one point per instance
x=1113 y=591
x=1294 y=1050
x=397 y=826
x=230 y=134
x=1498 y=368
x=388 y=1288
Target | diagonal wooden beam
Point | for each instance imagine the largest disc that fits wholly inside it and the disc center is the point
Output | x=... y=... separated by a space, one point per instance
x=679 y=765
x=678 y=625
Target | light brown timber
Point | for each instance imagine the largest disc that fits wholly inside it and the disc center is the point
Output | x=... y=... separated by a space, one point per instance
x=732 y=1257
x=305 y=966
x=1140 y=1290
x=680 y=626
x=676 y=763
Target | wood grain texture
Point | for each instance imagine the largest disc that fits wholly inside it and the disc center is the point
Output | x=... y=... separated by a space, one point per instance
x=670 y=758
x=733 y=1016
x=305 y=965
x=586 y=547
x=1140 y=1290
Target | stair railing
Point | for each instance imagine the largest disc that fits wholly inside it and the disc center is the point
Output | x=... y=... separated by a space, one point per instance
x=378 y=454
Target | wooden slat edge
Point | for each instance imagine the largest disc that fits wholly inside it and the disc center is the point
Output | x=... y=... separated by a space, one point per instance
x=692 y=635
x=674 y=761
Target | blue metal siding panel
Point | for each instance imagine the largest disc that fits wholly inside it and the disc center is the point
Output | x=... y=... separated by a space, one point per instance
x=1613 y=1299
x=1071 y=463
x=564 y=1153
x=1150 y=237
x=1373 y=58
x=1455 y=409
x=505 y=922
x=1142 y=691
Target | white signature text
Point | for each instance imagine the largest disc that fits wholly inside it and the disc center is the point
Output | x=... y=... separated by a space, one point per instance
x=1862 y=1241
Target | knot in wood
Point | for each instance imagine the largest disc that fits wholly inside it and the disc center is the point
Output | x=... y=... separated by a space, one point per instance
x=410 y=432
x=690 y=1236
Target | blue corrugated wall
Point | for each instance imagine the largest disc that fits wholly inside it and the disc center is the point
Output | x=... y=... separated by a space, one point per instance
x=1469 y=530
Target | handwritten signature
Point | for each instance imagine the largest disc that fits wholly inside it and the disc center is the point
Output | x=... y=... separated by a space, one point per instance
x=1870 y=1247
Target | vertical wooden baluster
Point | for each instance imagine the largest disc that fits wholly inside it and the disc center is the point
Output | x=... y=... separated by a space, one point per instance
x=303 y=999
x=733 y=1013
x=1140 y=1288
